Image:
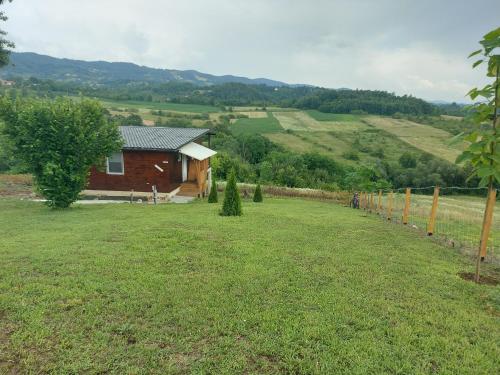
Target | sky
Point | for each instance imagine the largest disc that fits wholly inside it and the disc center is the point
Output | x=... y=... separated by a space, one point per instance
x=402 y=46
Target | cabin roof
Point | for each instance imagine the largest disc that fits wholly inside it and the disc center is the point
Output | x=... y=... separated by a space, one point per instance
x=158 y=138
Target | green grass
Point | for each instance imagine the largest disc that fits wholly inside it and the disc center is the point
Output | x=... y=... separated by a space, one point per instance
x=267 y=124
x=292 y=286
x=322 y=116
x=174 y=107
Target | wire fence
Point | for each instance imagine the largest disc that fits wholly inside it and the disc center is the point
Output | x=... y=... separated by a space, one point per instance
x=443 y=214
x=454 y=216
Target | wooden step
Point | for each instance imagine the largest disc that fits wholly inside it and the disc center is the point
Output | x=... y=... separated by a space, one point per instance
x=188 y=189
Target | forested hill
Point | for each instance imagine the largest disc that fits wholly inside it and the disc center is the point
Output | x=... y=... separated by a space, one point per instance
x=28 y=64
x=45 y=75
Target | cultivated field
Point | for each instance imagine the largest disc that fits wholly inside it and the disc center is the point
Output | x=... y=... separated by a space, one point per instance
x=179 y=289
x=428 y=139
x=257 y=125
x=171 y=107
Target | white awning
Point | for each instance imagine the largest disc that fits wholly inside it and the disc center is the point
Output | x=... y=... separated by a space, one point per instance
x=196 y=151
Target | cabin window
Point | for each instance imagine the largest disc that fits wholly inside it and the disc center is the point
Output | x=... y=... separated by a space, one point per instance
x=114 y=163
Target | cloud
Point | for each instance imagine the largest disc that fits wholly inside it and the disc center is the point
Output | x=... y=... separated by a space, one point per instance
x=405 y=46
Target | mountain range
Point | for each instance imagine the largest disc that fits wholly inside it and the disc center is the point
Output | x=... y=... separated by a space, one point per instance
x=29 y=64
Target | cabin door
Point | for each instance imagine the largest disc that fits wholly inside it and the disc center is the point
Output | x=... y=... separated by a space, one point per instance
x=184 y=168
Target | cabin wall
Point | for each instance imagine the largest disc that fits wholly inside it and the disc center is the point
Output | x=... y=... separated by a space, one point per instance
x=140 y=173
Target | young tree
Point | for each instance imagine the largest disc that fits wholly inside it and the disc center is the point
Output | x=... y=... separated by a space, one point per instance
x=5 y=44
x=232 y=199
x=59 y=141
x=484 y=149
x=212 y=197
x=257 y=195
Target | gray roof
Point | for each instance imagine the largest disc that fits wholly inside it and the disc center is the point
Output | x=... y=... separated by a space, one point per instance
x=158 y=138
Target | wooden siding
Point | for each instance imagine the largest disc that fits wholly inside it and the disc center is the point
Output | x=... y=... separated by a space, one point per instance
x=140 y=173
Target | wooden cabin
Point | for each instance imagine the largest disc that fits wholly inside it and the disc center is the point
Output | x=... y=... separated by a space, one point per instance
x=170 y=160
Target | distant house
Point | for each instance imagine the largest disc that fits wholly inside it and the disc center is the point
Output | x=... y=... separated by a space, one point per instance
x=172 y=160
x=4 y=82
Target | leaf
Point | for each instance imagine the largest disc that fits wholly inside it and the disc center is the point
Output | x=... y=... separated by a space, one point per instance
x=477 y=63
x=485 y=171
x=456 y=139
x=475 y=53
x=463 y=156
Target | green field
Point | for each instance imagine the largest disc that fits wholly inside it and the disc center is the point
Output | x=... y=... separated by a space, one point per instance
x=173 y=107
x=323 y=116
x=427 y=138
x=179 y=289
x=257 y=125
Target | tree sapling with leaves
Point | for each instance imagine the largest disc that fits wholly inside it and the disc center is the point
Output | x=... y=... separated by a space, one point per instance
x=483 y=152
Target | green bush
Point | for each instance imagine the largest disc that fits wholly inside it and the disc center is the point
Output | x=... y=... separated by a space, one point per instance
x=212 y=197
x=257 y=195
x=59 y=141
x=232 y=199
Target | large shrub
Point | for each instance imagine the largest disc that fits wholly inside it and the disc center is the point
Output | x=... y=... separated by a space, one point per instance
x=232 y=199
x=212 y=197
x=59 y=141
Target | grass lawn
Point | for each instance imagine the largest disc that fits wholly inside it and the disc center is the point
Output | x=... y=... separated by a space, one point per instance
x=268 y=124
x=293 y=286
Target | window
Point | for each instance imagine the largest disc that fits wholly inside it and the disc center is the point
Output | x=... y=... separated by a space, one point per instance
x=115 y=163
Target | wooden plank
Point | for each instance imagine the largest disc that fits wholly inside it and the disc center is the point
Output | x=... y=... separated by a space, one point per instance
x=432 y=218
x=389 y=205
x=406 y=211
x=487 y=221
x=379 y=203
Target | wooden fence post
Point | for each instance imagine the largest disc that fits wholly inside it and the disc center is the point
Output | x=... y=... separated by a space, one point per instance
x=487 y=220
x=406 y=210
x=379 y=203
x=363 y=200
x=432 y=218
x=371 y=202
x=389 y=205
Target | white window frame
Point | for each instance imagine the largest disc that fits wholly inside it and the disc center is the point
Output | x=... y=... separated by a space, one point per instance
x=115 y=173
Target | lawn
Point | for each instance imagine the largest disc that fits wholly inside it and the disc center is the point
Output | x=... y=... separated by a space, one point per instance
x=257 y=125
x=293 y=286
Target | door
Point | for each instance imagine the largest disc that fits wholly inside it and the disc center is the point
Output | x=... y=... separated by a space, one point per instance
x=184 y=167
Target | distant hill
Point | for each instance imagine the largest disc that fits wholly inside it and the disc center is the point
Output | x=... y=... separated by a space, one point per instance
x=29 y=64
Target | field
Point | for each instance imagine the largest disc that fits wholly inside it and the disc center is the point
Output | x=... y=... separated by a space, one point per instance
x=178 y=289
x=426 y=138
x=172 y=107
x=260 y=125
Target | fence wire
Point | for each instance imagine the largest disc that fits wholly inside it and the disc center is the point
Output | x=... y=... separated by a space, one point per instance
x=458 y=217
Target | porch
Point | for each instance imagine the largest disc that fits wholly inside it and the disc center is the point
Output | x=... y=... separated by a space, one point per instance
x=196 y=171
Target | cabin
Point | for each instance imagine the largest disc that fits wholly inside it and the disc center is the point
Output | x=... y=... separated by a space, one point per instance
x=169 y=161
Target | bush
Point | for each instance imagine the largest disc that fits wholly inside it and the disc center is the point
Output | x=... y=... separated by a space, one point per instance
x=257 y=195
x=59 y=141
x=212 y=197
x=232 y=200
x=408 y=160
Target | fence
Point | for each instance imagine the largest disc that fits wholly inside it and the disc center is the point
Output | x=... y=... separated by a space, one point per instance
x=445 y=214
x=442 y=213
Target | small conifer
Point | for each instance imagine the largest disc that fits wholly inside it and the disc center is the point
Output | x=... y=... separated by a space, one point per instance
x=232 y=199
x=212 y=197
x=257 y=195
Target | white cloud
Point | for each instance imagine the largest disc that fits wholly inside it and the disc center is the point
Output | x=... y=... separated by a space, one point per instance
x=404 y=46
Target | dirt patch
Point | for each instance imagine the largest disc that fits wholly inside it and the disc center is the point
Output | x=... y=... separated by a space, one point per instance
x=483 y=279
x=16 y=185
